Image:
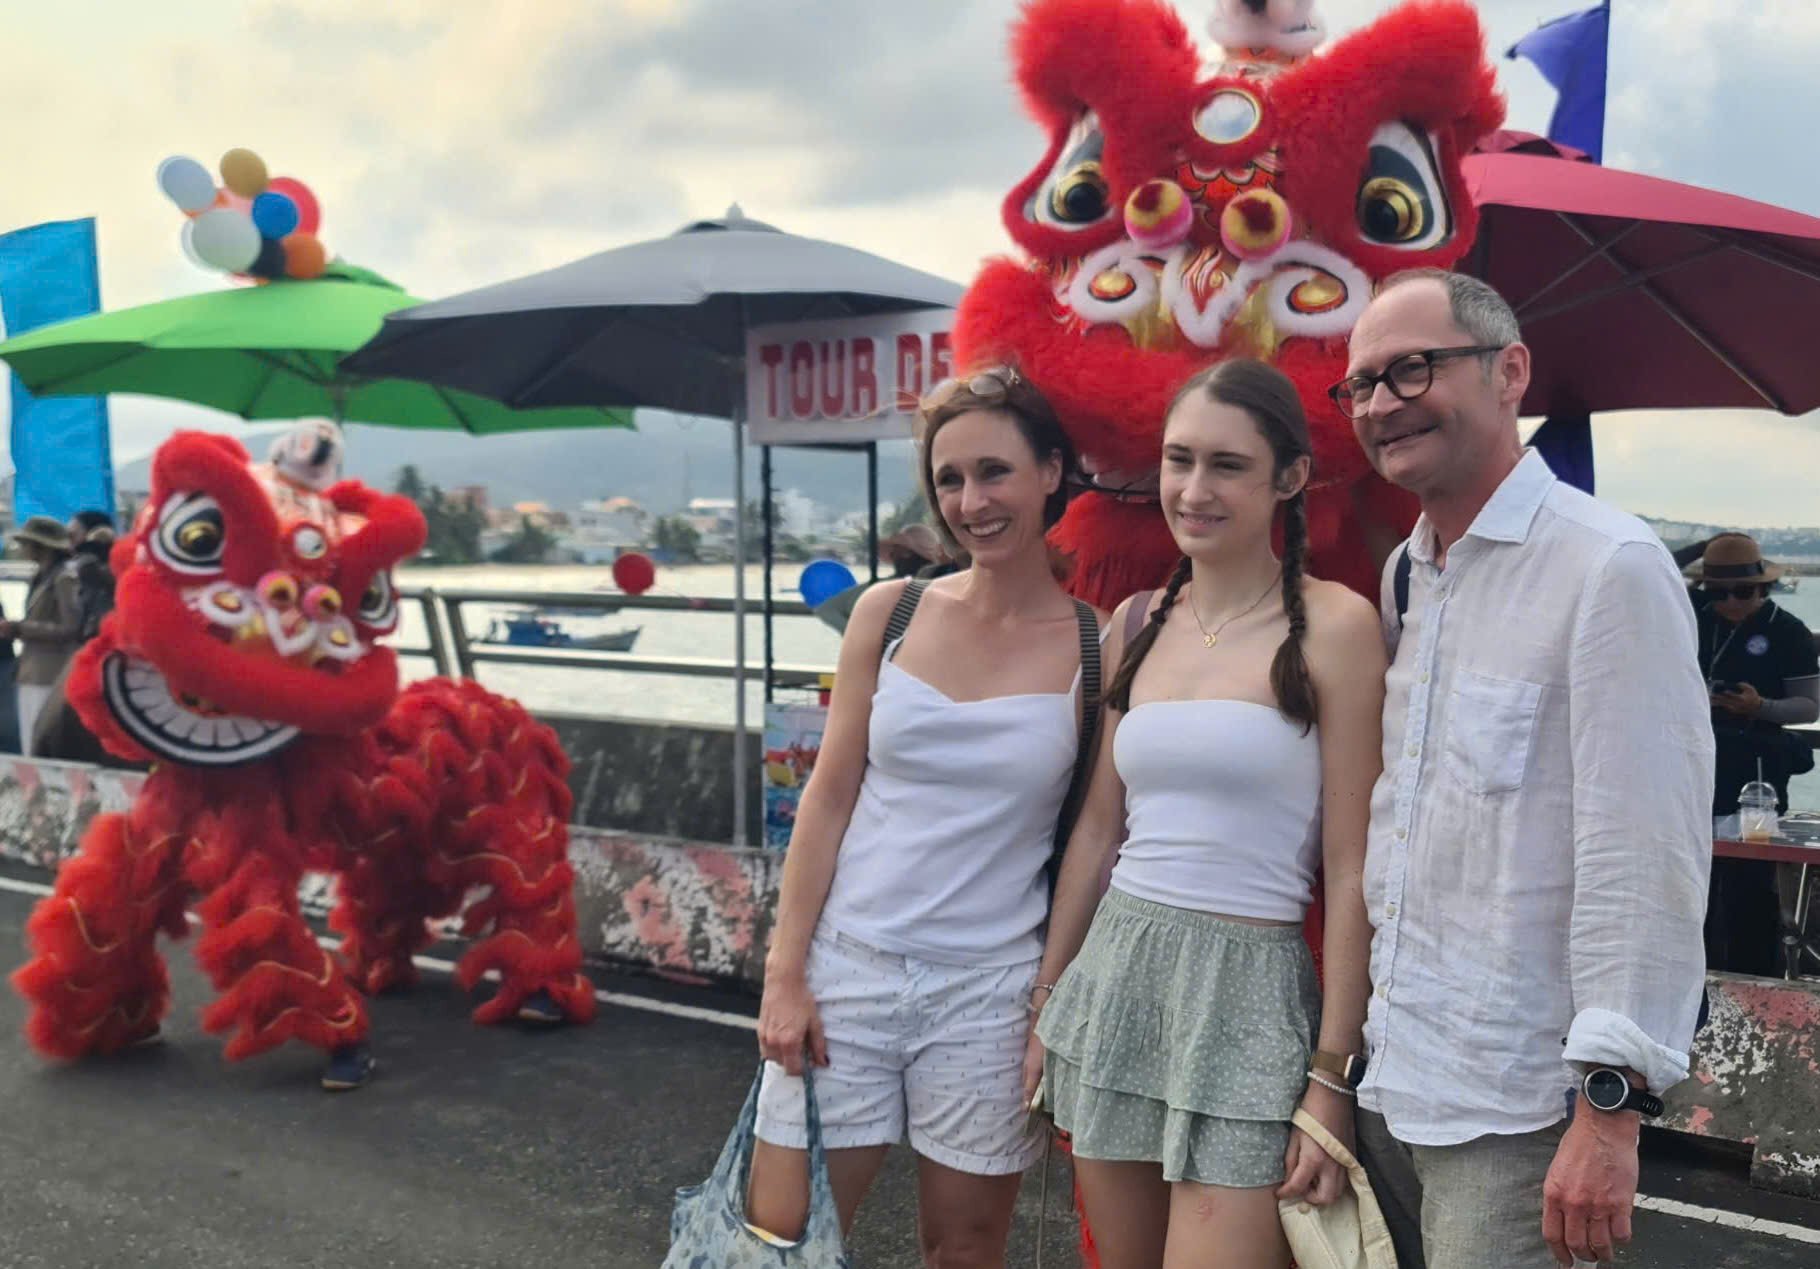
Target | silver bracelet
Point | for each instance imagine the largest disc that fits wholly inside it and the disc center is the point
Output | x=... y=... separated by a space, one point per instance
x=1324 y=1082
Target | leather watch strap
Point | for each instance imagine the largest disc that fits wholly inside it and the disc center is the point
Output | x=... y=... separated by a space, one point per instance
x=1348 y=1067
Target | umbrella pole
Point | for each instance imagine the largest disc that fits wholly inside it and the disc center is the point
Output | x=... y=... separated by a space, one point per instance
x=872 y=508
x=739 y=619
x=764 y=467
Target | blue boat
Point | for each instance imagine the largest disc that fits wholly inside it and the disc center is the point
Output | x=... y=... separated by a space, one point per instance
x=530 y=628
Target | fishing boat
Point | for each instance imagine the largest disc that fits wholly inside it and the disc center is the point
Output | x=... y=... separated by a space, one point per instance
x=532 y=628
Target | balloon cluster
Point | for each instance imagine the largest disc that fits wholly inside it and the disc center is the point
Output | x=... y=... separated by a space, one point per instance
x=252 y=225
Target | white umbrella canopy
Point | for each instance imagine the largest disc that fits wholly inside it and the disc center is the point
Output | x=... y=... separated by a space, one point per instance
x=660 y=324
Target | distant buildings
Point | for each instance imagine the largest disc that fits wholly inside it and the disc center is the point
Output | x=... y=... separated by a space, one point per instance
x=600 y=530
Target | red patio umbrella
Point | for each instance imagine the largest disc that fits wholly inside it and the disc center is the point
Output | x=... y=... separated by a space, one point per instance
x=1637 y=292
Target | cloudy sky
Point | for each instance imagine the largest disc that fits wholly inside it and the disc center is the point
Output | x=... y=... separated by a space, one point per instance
x=458 y=142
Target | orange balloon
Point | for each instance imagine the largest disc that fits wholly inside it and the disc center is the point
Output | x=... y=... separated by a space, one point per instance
x=304 y=256
x=243 y=172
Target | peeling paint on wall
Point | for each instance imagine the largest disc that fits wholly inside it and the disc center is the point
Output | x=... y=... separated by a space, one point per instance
x=1754 y=1079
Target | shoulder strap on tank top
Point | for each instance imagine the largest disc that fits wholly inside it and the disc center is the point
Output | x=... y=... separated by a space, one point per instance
x=1089 y=628
x=899 y=620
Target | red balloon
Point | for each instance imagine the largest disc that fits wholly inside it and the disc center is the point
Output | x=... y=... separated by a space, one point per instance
x=634 y=573
x=309 y=211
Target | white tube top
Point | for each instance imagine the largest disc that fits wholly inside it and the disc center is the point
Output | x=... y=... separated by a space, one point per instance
x=943 y=858
x=1222 y=808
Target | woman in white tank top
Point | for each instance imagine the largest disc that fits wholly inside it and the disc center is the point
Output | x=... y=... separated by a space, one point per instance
x=914 y=893
x=1181 y=1032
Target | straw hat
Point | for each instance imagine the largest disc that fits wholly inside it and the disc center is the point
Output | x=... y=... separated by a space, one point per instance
x=1736 y=558
x=45 y=531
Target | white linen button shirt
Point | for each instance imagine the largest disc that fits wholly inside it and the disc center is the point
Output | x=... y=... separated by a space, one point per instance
x=1541 y=836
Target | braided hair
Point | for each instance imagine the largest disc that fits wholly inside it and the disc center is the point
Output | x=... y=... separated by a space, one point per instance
x=1268 y=396
x=1118 y=695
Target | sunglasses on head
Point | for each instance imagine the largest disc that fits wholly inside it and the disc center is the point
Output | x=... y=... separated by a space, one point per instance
x=991 y=386
x=1745 y=590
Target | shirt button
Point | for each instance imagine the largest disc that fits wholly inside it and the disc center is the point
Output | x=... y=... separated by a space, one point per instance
x=1402 y=834
x=1390 y=909
x=1425 y=678
x=1384 y=991
x=1413 y=751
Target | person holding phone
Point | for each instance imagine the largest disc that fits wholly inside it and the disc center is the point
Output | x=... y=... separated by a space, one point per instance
x=1764 y=676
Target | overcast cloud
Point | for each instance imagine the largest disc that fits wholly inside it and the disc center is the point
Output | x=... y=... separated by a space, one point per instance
x=459 y=142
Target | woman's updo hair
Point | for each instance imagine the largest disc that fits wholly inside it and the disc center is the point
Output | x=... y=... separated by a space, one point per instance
x=1267 y=395
x=1003 y=389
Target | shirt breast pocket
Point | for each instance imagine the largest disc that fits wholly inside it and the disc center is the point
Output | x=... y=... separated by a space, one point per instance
x=1491 y=726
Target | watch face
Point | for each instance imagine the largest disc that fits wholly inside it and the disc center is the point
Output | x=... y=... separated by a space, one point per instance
x=1606 y=1090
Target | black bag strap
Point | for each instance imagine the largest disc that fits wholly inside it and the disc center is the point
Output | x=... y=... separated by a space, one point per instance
x=1399 y=583
x=1089 y=628
x=899 y=620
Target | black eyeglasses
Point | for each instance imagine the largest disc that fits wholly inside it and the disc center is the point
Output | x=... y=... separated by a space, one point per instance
x=1408 y=377
x=1750 y=591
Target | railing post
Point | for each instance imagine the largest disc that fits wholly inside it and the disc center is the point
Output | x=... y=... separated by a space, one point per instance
x=432 y=622
x=458 y=632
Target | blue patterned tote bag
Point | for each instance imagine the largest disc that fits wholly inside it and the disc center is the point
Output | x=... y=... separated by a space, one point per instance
x=708 y=1227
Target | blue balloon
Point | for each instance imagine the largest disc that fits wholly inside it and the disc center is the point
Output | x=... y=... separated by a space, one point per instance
x=274 y=215
x=823 y=580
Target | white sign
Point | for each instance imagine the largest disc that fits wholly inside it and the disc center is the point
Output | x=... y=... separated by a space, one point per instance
x=845 y=380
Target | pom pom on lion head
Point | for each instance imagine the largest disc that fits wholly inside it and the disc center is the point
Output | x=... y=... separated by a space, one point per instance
x=249 y=602
x=1187 y=212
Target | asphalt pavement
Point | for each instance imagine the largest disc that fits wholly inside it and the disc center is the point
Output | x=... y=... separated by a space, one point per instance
x=501 y=1147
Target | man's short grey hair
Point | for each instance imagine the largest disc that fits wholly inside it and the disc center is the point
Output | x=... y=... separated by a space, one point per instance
x=1477 y=307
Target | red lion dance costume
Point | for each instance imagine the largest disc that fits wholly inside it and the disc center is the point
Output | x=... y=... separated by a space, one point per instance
x=1185 y=213
x=282 y=743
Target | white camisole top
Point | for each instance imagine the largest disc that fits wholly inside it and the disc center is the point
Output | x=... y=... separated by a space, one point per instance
x=1222 y=808
x=943 y=858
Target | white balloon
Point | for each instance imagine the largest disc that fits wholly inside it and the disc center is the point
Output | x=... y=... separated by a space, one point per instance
x=186 y=183
x=225 y=239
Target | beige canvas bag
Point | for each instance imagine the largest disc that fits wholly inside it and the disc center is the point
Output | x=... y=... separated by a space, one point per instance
x=1350 y=1232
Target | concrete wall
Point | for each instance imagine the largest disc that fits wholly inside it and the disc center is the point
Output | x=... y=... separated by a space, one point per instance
x=1756 y=1079
x=659 y=779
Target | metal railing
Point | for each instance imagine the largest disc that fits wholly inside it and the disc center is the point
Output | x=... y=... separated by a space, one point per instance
x=456 y=653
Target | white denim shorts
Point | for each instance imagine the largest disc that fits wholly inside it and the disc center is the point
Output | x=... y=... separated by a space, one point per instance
x=914 y=1046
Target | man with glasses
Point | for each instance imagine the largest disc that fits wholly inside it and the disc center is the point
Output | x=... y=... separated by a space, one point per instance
x=1760 y=665
x=1537 y=861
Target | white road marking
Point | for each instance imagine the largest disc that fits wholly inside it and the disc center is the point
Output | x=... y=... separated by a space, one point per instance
x=1730 y=1220
x=721 y=1018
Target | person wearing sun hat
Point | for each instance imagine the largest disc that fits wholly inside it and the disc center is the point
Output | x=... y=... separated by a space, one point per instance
x=1761 y=667
x=51 y=629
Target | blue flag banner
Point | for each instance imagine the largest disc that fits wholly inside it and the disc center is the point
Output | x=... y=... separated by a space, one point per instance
x=62 y=461
x=1565 y=442
x=1571 y=52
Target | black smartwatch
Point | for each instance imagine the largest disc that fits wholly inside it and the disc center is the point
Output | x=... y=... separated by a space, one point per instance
x=1611 y=1091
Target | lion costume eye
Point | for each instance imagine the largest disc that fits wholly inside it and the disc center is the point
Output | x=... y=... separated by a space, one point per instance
x=1075 y=195
x=1402 y=200
x=192 y=534
x=379 y=602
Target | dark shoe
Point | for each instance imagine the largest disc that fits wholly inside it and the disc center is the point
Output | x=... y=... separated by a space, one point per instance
x=539 y=1008
x=349 y=1067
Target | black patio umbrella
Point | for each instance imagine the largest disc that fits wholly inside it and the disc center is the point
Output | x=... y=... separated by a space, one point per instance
x=660 y=324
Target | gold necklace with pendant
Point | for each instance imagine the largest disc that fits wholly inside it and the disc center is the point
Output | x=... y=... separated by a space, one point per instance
x=1213 y=637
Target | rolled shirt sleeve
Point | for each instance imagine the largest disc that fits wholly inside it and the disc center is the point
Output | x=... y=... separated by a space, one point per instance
x=1642 y=819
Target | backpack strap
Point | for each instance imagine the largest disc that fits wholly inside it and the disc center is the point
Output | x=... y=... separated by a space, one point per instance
x=899 y=621
x=1399 y=583
x=1089 y=627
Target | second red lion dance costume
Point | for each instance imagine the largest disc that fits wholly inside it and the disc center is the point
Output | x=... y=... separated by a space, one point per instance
x=243 y=659
x=1187 y=213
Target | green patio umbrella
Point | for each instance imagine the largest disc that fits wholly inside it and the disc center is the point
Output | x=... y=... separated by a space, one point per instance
x=266 y=352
